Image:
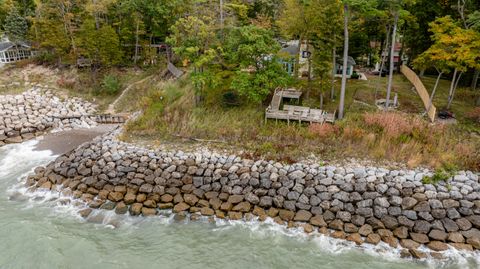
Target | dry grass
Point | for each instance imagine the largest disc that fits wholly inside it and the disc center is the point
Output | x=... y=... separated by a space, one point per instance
x=170 y=113
x=394 y=124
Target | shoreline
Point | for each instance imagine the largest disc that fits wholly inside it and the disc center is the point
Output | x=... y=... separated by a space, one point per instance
x=397 y=218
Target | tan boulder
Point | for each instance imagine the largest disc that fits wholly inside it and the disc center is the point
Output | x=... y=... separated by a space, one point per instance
x=355 y=237
x=146 y=211
x=121 y=208
x=190 y=199
x=437 y=246
x=338 y=235
x=286 y=215
x=373 y=239
x=166 y=198
x=302 y=215
x=235 y=215
x=409 y=244
x=165 y=205
x=206 y=211
x=418 y=254
x=180 y=207
x=462 y=246
x=115 y=196
x=136 y=209
x=242 y=207
x=272 y=212
x=318 y=221
x=129 y=198
x=365 y=230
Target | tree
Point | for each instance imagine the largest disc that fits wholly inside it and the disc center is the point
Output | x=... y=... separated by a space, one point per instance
x=101 y=45
x=195 y=41
x=258 y=71
x=437 y=57
x=315 y=22
x=454 y=48
x=56 y=24
x=15 y=26
x=294 y=24
x=362 y=6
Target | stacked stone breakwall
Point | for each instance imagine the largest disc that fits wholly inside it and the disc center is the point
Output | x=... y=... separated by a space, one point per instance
x=360 y=204
x=25 y=115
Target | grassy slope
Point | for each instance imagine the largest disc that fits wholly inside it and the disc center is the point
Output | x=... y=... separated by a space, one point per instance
x=170 y=113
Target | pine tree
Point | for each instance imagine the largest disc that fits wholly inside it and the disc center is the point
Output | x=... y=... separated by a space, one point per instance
x=15 y=26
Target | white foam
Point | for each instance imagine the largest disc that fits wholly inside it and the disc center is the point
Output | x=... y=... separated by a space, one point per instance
x=22 y=156
x=16 y=158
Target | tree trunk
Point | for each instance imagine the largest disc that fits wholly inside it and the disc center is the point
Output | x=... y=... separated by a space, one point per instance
x=221 y=19
x=382 y=63
x=450 y=100
x=95 y=14
x=136 y=42
x=321 y=100
x=452 y=85
x=390 y=73
x=475 y=79
x=345 y=62
x=221 y=14
x=430 y=102
x=422 y=73
x=334 y=71
x=309 y=72
x=297 y=59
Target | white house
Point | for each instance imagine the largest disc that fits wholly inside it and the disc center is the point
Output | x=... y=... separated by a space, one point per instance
x=11 y=52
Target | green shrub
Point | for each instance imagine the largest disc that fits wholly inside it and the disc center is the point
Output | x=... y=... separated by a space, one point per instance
x=442 y=174
x=111 y=85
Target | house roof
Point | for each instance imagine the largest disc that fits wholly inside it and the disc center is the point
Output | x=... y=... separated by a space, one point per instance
x=5 y=45
x=350 y=61
x=291 y=49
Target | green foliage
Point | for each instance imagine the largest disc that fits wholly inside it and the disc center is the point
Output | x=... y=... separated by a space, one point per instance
x=257 y=86
x=111 y=85
x=440 y=175
x=259 y=71
x=15 y=26
x=100 y=45
x=250 y=46
x=194 y=39
x=474 y=20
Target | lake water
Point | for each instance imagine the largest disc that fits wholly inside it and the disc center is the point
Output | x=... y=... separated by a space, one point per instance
x=38 y=230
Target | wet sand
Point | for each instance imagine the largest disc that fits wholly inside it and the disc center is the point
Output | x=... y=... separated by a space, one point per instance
x=64 y=141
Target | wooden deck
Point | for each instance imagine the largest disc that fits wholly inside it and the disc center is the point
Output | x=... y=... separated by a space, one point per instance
x=295 y=113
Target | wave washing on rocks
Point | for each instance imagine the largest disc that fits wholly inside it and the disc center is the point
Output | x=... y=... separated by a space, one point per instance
x=362 y=204
x=25 y=115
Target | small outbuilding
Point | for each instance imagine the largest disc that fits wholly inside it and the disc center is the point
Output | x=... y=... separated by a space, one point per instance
x=339 y=66
x=11 y=52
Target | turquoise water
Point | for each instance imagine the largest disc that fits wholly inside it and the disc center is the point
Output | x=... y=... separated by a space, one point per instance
x=41 y=231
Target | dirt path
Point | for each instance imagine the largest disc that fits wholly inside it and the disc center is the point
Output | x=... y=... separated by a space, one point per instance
x=111 y=107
